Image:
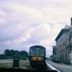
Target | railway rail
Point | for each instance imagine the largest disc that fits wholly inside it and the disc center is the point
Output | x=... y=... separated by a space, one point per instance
x=27 y=67
x=47 y=67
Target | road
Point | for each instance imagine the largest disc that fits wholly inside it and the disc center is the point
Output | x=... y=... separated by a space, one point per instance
x=61 y=67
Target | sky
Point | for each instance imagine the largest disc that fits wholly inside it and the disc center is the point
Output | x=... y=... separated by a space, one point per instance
x=24 y=23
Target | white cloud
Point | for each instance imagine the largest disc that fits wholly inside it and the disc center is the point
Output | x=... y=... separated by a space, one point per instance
x=25 y=36
x=2 y=13
x=33 y=13
x=38 y=21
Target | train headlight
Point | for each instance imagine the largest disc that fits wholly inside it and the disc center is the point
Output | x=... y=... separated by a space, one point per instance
x=37 y=58
x=34 y=58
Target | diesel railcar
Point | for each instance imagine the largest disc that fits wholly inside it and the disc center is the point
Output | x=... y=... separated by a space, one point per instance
x=37 y=56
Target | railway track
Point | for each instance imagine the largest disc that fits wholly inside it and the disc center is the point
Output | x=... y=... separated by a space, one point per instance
x=26 y=66
x=47 y=68
x=52 y=67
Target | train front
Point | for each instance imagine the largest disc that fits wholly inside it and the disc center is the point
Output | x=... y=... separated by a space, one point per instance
x=37 y=56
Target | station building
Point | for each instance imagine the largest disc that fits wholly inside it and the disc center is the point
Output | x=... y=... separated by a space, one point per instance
x=64 y=44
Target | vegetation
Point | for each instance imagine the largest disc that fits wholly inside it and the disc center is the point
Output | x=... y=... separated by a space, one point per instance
x=23 y=55
x=11 y=53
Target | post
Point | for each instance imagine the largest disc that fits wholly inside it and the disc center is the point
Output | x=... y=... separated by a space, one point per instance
x=16 y=61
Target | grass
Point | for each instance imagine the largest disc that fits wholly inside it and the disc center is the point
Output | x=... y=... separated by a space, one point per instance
x=9 y=64
x=24 y=64
x=5 y=65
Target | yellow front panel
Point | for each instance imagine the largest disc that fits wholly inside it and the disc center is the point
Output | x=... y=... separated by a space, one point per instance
x=36 y=58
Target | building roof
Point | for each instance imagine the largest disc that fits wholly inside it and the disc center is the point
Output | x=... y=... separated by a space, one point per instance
x=61 y=32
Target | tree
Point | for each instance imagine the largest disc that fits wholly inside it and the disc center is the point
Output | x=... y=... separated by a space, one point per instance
x=23 y=55
x=12 y=52
x=7 y=52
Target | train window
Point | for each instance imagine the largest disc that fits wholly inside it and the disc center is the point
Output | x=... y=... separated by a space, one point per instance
x=42 y=52
x=37 y=51
x=32 y=52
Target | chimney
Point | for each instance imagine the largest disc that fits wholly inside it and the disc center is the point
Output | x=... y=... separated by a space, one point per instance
x=71 y=21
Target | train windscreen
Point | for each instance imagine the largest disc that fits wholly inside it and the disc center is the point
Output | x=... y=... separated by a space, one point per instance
x=37 y=52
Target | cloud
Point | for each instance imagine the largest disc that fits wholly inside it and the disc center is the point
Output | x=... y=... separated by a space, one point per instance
x=33 y=13
x=9 y=32
x=2 y=13
x=24 y=23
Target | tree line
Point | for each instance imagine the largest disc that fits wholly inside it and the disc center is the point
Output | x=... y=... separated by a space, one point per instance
x=11 y=53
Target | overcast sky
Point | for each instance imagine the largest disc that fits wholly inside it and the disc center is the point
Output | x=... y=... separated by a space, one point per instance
x=24 y=23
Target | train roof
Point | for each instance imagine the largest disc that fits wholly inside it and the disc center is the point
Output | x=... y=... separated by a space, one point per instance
x=39 y=46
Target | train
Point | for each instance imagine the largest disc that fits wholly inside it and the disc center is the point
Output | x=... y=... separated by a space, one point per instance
x=37 y=56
